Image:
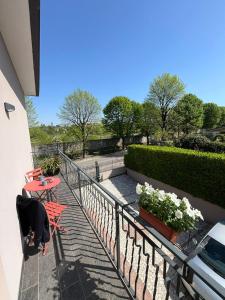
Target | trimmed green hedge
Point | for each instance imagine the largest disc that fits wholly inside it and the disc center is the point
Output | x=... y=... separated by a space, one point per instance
x=201 y=174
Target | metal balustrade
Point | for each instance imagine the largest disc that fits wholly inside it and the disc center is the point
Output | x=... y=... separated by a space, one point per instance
x=149 y=265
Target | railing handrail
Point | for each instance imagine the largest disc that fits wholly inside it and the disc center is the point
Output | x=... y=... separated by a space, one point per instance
x=166 y=243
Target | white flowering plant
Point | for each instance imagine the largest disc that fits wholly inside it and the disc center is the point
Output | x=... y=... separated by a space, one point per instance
x=167 y=207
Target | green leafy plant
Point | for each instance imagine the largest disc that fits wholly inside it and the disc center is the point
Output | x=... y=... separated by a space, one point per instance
x=73 y=153
x=219 y=138
x=198 y=173
x=168 y=208
x=193 y=141
x=200 y=142
x=122 y=117
x=51 y=166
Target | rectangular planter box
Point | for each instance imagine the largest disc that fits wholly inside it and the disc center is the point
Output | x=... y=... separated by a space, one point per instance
x=162 y=228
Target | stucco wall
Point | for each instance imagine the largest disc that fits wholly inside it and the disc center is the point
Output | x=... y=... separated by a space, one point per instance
x=15 y=160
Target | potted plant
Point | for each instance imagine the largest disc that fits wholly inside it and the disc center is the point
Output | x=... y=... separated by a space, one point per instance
x=51 y=166
x=166 y=212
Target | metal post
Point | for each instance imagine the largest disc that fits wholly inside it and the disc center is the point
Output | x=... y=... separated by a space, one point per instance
x=97 y=171
x=79 y=184
x=66 y=173
x=117 y=236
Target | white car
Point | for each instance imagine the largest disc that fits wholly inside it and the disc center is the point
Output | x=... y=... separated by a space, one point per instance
x=210 y=257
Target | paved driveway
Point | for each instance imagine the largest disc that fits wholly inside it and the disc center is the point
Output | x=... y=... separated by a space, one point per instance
x=124 y=188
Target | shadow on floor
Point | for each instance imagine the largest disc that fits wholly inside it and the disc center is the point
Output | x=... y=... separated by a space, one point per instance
x=76 y=266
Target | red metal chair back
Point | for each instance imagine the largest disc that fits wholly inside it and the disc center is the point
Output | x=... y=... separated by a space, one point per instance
x=33 y=174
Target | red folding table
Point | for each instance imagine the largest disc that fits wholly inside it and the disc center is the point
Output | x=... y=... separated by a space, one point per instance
x=36 y=186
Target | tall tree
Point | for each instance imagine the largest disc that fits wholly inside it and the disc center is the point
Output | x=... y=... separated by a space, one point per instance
x=31 y=113
x=174 y=124
x=190 y=111
x=222 y=116
x=83 y=110
x=150 y=119
x=164 y=92
x=211 y=115
x=122 y=116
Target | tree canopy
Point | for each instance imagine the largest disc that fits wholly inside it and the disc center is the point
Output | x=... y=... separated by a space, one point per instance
x=211 y=115
x=81 y=109
x=122 y=116
x=164 y=92
x=222 y=116
x=31 y=113
x=150 y=119
x=190 y=112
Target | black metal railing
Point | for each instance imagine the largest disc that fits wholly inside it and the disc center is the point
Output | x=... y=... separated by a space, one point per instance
x=149 y=265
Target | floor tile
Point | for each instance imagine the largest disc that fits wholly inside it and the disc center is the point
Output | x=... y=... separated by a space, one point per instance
x=30 y=294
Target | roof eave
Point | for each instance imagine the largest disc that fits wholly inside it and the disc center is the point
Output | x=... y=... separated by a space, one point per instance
x=34 y=7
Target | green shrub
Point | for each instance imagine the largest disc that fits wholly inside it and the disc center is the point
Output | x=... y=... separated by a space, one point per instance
x=73 y=153
x=201 y=174
x=216 y=147
x=200 y=142
x=193 y=141
x=219 y=138
x=50 y=166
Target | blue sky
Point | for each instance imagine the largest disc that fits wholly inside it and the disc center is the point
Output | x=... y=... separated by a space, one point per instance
x=117 y=47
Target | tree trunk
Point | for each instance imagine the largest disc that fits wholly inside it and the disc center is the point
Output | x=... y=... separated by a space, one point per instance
x=83 y=149
x=164 y=124
x=148 y=139
x=83 y=141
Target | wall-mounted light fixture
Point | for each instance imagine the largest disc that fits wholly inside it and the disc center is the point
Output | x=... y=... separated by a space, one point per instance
x=9 y=107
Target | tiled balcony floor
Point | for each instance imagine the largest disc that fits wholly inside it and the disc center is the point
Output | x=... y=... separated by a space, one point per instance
x=76 y=266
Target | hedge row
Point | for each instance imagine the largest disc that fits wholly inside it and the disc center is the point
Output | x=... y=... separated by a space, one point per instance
x=201 y=174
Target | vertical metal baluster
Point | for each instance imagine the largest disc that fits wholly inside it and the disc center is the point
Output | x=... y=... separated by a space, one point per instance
x=66 y=173
x=79 y=184
x=146 y=270
x=107 y=230
x=111 y=234
x=156 y=282
x=125 y=255
x=117 y=236
x=164 y=268
x=178 y=285
x=138 y=266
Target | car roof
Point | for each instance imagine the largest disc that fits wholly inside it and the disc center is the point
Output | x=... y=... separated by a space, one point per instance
x=218 y=232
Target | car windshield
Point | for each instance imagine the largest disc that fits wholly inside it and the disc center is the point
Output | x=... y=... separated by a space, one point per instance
x=213 y=254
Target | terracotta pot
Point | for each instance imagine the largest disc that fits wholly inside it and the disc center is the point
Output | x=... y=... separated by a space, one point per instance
x=165 y=230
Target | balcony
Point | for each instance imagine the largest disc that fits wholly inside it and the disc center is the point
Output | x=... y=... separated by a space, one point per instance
x=108 y=252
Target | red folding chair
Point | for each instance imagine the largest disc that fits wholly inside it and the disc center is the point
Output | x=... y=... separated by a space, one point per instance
x=54 y=211
x=33 y=174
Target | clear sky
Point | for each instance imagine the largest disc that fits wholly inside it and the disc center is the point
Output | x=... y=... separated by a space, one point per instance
x=117 y=47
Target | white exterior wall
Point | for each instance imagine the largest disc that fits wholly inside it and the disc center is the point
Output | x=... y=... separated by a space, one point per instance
x=15 y=160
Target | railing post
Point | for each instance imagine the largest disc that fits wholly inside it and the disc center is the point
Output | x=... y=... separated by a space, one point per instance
x=117 y=236
x=97 y=171
x=79 y=185
x=66 y=172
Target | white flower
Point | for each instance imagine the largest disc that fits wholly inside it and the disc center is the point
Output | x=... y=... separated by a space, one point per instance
x=149 y=190
x=176 y=201
x=186 y=202
x=173 y=197
x=190 y=212
x=198 y=214
x=139 y=189
x=161 y=195
x=178 y=214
